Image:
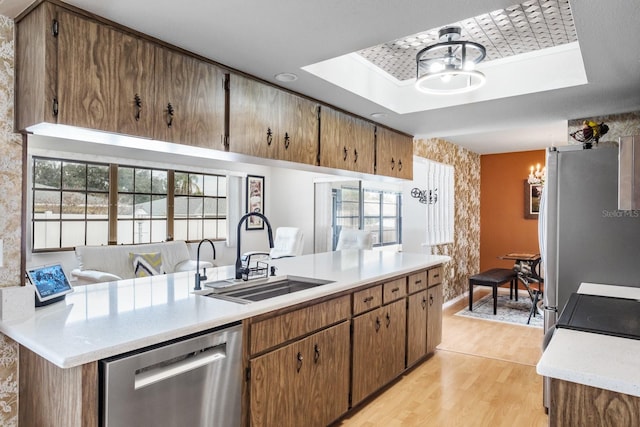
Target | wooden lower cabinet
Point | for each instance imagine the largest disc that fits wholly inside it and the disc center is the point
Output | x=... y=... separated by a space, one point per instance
x=303 y=383
x=416 y=327
x=434 y=317
x=378 y=348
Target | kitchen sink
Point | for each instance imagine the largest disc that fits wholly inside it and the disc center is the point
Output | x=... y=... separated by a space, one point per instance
x=246 y=292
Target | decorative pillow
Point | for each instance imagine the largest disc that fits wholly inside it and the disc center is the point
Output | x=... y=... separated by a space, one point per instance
x=148 y=264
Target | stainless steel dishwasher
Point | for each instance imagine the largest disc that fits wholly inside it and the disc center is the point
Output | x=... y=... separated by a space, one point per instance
x=195 y=381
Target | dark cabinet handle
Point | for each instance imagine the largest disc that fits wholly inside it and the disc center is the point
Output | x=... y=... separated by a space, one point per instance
x=299 y=362
x=435 y=276
x=393 y=164
x=287 y=140
x=367 y=300
x=138 y=103
x=424 y=302
x=417 y=282
x=316 y=353
x=345 y=152
x=170 y=112
x=355 y=156
x=388 y=320
x=399 y=165
x=269 y=136
x=377 y=324
x=394 y=290
x=430 y=299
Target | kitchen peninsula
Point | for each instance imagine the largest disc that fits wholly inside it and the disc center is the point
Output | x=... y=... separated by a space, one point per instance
x=66 y=340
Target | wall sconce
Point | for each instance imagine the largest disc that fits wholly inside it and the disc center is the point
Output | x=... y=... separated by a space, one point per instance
x=537 y=175
x=428 y=197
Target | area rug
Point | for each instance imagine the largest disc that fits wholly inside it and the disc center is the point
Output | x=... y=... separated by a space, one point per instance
x=509 y=311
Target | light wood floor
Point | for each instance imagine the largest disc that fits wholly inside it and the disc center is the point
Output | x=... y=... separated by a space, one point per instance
x=483 y=374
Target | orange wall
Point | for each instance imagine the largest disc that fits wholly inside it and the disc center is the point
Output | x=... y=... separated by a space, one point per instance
x=503 y=228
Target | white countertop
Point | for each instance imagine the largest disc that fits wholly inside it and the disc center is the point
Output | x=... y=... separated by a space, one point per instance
x=596 y=360
x=107 y=319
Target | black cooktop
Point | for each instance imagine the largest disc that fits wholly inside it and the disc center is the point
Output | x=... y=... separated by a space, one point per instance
x=602 y=315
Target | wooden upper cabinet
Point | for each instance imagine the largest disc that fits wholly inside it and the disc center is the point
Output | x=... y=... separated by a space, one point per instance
x=105 y=77
x=394 y=154
x=346 y=142
x=189 y=102
x=270 y=123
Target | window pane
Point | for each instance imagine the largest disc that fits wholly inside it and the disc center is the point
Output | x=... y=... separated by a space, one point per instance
x=159 y=206
x=125 y=232
x=370 y=196
x=143 y=181
x=72 y=233
x=195 y=229
x=97 y=232
x=125 y=179
x=159 y=183
x=389 y=198
x=210 y=185
x=180 y=230
x=98 y=177
x=74 y=176
x=47 y=173
x=46 y=234
x=371 y=209
x=158 y=230
x=142 y=232
x=98 y=206
x=196 y=184
x=47 y=201
x=195 y=207
x=222 y=186
x=181 y=183
x=210 y=207
x=73 y=205
x=210 y=228
x=222 y=207
x=125 y=206
x=389 y=210
x=222 y=228
x=142 y=208
x=180 y=207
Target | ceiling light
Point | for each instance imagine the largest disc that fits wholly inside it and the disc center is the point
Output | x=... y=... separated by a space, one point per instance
x=286 y=77
x=448 y=67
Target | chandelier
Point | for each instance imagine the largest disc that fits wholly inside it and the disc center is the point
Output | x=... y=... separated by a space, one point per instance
x=448 y=67
x=537 y=175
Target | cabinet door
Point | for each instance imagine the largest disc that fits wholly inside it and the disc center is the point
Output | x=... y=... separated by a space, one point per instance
x=298 y=129
x=393 y=345
x=253 y=117
x=189 y=107
x=416 y=327
x=105 y=77
x=304 y=383
x=394 y=154
x=434 y=317
x=327 y=391
x=346 y=142
x=367 y=341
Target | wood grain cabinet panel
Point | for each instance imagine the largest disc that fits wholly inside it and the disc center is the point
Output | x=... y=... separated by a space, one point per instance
x=346 y=142
x=303 y=383
x=435 y=276
x=105 y=77
x=434 y=317
x=416 y=327
x=367 y=299
x=270 y=123
x=378 y=349
x=394 y=290
x=394 y=154
x=189 y=103
x=417 y=282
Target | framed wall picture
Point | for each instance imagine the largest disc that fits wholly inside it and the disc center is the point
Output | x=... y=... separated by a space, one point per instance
x=532 y=193
x=255 y=201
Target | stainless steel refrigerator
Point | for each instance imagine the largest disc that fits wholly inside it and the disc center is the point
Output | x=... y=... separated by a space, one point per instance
x=583 y=235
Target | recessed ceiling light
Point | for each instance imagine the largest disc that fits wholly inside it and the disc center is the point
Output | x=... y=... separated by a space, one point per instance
x=378 y=115
x=286 y=77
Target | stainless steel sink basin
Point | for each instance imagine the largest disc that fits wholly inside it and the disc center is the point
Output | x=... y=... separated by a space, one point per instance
x=246 y=292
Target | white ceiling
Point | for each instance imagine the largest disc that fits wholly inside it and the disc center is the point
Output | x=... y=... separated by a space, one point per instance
x=264 y=38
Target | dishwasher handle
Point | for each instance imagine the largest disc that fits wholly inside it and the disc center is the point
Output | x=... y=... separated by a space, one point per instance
x=176 y=366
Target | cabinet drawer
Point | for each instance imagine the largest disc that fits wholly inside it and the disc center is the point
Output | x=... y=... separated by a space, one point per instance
x=285 y=327
x=394 y=290
x=417 y=282
x=367 y=299
x=435 y=276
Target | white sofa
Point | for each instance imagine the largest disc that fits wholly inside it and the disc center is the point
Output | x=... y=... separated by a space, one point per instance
x=113 y=262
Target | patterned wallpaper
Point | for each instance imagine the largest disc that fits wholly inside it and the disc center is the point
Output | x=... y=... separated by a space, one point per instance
x=465 y=250
x=10 y=204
